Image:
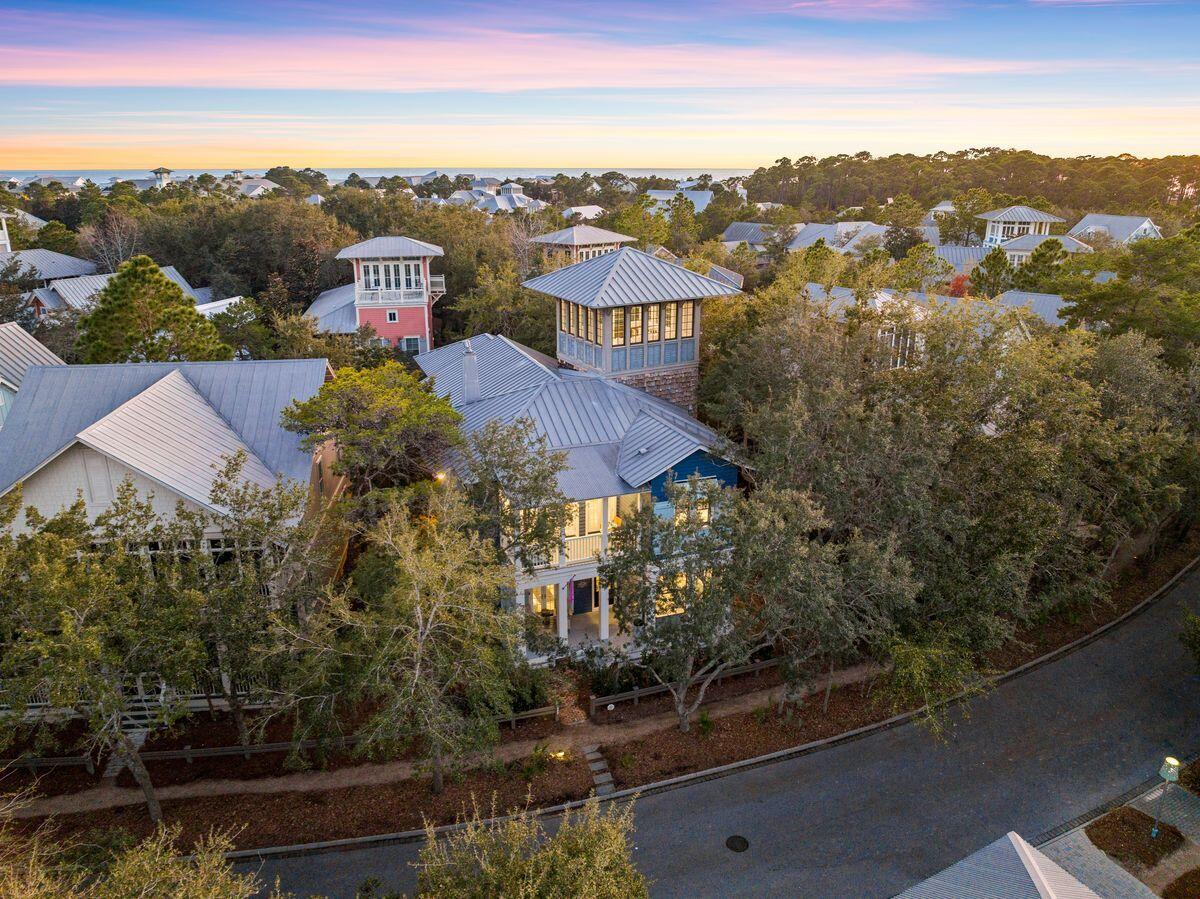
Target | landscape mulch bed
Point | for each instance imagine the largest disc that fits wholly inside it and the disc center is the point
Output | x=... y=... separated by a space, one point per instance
x=671 y=752
x=1124 y=834
x=656 y=705
x=1186 y=886
x=272 y=819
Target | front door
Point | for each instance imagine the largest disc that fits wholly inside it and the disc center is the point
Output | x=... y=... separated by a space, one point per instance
x=584 y=599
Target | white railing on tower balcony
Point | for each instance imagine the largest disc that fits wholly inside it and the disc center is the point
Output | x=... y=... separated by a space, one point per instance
x=415 y=296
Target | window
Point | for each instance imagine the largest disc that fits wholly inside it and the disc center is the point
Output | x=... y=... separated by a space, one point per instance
x=591 y=325
x=571 y=527
x=371 y=276
x=574 y=329
x=393 y=315
x=686 y=323
x=652 y=331
x=387 y=277
x=635 y=324
x=562 y=315
x=618 y=319
x=412 y=345
x=670 y=321
x=412 y=276
x=591 y=516
x=696 y=501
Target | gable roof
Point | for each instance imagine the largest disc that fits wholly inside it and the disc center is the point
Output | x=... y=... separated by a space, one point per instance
x=617 y=438
x=1009 y=868
x=1046 y=306
x=170 y=434
x=962 y=258
x=19 y=350
x=1018 y=214
x=624 y=278
x=582 y=236
x=1119 y=227
x=1029 y=242
x=47 y=264
x=389 y=248
x=753 y=233
x=79 y=293
x=57 y=404
x=726 y=275
x=334 y=310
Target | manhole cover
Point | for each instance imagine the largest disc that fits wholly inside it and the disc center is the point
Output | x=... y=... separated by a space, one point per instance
x=737 y=843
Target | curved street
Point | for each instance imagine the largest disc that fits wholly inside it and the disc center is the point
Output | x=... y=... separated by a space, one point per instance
x=873 y=816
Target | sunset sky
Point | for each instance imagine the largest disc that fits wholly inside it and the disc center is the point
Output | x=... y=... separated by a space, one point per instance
x=680 y=83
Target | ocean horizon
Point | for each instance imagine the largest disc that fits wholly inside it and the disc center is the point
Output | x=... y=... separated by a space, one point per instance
x=102 y=176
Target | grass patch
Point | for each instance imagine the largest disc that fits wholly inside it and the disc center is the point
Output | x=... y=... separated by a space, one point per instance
x=1124 y=834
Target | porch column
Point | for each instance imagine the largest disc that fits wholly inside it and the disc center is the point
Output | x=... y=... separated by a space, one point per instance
x=604 y=516
x=604 y=614
x=562 y=611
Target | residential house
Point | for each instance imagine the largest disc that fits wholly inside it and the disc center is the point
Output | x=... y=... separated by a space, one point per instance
x=487 y=185
x=160 y=178
x=1019 y=249
x=1008 y=868
x=1015 y=221
x=754 y=234
x=79 y=431
x=257 y=188
x=26 y=219
x=623 y=445
x=632 y=317
x=216 y=307
x=726 y=276
x=586 y=213
x=1049 y=307
x=943 y=208
x=962 y=259
x=79 y=293
x=19 y=351
x=45 y=266
x=72 y=184
x=509 y=202
x=314 y=199
x=1122 y=229
x=393 y=291
x=662 y=198
x=842 y=237
x=582 y=242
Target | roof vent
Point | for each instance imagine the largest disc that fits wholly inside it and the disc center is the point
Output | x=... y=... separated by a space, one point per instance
x=470 y=381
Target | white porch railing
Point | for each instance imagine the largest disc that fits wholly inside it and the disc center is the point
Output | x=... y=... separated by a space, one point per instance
x=582 y=549
x=409 y=296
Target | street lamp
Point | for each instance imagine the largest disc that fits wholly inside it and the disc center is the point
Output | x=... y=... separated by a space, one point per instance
x=1169 y=772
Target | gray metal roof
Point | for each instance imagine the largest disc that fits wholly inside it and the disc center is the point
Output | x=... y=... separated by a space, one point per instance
x=334 y=310
x=18 y=351
x=699 y=198
x=509 y=203
x=1018 y=214
x=1046 y=306
x=79 y=293
x=962 y=258
x=1009 y=868
x=618 y=438
x=625 y=278
x=582 y=236
x=57 y=403
x=726 y=275
x=1119 y=227
x=753 y=233
x=389 y=248
x=1029 y=242
x=28 y=219
x=170 y=433
x=46 y=265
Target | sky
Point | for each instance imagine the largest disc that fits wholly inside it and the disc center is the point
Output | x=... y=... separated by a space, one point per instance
x=575 y=84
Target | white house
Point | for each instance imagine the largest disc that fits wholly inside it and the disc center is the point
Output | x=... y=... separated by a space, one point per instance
x=1015 y=221
x=584 y=212
x=1123 y=229
x=662 y=198
x=80 y=430
x=1019 y=249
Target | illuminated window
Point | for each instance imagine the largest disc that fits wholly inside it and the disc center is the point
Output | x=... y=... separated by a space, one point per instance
x=574 y=320
x=670 y=321
x=571 y=528
x=562 y=315
x=618 y=320
x=591 y=516
x=591 y=325
x=652 y=330
x=635 y=324
x=686 y=322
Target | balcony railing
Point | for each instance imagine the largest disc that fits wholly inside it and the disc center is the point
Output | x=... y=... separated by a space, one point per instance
x=409 y=296
x=582 y=549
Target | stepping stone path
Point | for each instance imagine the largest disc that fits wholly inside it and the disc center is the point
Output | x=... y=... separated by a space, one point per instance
x=601 y=776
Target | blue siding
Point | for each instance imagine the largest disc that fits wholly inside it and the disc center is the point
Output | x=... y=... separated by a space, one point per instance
x=699 y=463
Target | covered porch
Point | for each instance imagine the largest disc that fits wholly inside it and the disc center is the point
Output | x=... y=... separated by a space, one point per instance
x=577 y=610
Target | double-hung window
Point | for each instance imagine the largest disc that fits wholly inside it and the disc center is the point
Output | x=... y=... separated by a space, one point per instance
x=652 y=329
x=686 y=322
x=635 y=324
x=618 y=320
x=670 y=321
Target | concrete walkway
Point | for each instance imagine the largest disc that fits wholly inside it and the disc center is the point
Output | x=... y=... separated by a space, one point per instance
x=575 y=739
x=1076 y=855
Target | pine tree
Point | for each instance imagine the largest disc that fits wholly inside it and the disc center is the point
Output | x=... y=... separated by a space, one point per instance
x=993 y=275
x=143 y=316
x=1038 y=271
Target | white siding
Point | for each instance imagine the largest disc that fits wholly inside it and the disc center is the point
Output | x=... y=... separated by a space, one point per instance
x=83 y=471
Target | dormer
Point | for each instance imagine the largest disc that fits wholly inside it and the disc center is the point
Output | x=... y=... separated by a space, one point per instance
x=582 y=242
x=632 y=317
x=394 y=289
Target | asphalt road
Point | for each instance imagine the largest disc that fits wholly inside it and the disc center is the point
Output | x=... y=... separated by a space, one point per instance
x=871 y=817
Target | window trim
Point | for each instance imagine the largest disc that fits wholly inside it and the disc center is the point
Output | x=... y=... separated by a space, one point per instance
x=687 y=319
x=636 y=326
x=618 y=326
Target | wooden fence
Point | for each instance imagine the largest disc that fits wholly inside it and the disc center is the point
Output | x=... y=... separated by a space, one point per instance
x=595 y=702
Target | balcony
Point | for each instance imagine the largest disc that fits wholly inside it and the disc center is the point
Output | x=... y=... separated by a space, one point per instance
x=410 y=296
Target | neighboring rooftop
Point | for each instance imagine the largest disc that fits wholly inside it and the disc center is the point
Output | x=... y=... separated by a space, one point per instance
x=625 y=278
x=699 y=198
x=1027 y=243
x=173 y=429
x=19 y=351
x=78 y=293
x=389 y=248
x=582 y=236
x=1046 y=306
x=334 y=310
x=617 y=438
x=45 y=265
x=1009 y=868
x=1118 y=227
x=1018 y=214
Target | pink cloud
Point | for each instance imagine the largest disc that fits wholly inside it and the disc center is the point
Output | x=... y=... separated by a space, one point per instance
x=483 y=60
x=863 y=9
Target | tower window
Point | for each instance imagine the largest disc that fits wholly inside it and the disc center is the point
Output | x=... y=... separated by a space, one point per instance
x=618 y=319
x=562 y=315
x=591 y=325
x=686 y=322
x=652 y=330
x=635 y=324
x=574 y=320
x=670 y=324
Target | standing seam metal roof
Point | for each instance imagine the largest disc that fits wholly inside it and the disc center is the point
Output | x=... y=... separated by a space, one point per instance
x=1018 y=214
x=391 y=247
x=46 y=265
x=625 y=278
x=19 y=350
x=582 y=236
x=79 y=292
